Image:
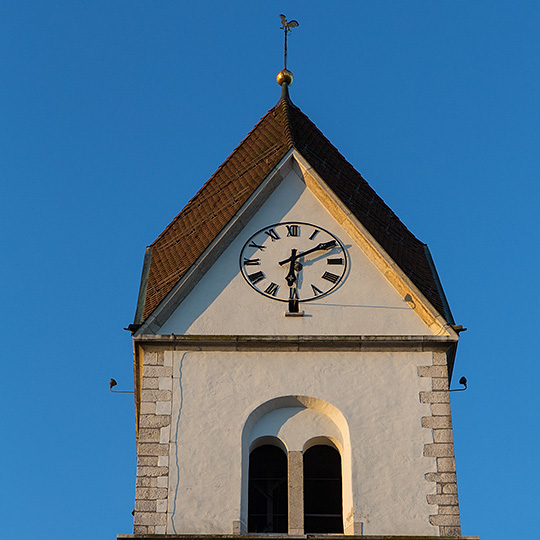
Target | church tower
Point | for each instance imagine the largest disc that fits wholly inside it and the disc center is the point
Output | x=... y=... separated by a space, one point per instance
x=293 y=349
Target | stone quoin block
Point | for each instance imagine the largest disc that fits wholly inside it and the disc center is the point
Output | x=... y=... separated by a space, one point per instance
x=440 y=409
x=452 y=509
x=150 y=518
x=442 y=499
x=156 y=395
x=439 y=359
x=146 y=481
x=153 y=358
x=149 y=434
x=148 y=407
x=152 y=471
x=154 y=421
x=432 y=371
x=434 y=397
x=153 y=449
x=147 y=461
x=150 y=493
x=446 y=464
x=450 y=531
x=150 y=383
x=157 y=371
x=145 y=505
x=441 y=477
x=444 y=519
x=442 y=436
x=439 y=383
x=436 y=422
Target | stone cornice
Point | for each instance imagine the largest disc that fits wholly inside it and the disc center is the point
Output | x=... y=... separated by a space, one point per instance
x=298 y=343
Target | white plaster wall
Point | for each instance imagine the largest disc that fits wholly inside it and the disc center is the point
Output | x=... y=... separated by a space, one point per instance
x=215 y=392
x=222 y=303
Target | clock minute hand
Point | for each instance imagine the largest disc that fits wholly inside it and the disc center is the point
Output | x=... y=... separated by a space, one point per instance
x=321 y=246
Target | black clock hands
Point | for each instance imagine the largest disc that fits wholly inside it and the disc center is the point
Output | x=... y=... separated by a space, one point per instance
x=291 y=276
x=315 y=262
x=292 y=259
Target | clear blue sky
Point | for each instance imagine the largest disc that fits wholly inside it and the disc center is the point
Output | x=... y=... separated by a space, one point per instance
x=114 y=113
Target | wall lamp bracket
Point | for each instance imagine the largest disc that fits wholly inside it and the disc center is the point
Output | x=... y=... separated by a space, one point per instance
x=113 y=383
x=462 y=381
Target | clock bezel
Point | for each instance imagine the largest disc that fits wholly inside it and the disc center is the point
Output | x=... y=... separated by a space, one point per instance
x=336 y=285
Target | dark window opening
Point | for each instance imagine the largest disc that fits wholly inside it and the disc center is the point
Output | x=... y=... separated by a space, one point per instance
x=267 y=504
x=322 y=490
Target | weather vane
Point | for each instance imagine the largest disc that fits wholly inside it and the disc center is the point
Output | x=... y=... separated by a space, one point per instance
x=286 y=27
x=285 y=77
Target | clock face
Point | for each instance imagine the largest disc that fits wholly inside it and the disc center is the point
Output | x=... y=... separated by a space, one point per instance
x=293 y=260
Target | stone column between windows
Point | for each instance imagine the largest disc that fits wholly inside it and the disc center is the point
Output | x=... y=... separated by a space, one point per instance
x=296 y=492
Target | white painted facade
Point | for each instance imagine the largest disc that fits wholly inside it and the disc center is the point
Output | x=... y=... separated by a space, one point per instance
x=367 y=403
x=222 y=303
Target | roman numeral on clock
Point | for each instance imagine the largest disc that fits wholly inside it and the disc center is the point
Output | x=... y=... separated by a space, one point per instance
x=293 y=230
x=256 y=277
x=254 y=245
x=252 y=262
x=330 y=277
x=316 y=291
x=335 y=261
x=272 y=234
x=272 y=289
x=315 y=233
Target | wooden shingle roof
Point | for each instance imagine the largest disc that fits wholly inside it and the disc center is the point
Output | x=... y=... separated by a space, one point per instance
x=284 y=127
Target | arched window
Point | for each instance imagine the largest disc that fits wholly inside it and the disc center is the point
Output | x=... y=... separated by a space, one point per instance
x=322 y=490
x=267 y=501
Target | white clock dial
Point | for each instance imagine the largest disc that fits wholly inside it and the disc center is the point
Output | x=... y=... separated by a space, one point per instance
x=293 y=260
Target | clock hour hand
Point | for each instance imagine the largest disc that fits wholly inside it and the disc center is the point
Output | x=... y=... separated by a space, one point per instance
x=321 y=246
x=291 y=276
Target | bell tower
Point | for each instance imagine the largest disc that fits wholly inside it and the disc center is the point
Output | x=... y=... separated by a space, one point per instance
x=293 y=349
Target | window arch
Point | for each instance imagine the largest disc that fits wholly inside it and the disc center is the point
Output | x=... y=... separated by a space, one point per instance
x=268 y=498
x=323 y=507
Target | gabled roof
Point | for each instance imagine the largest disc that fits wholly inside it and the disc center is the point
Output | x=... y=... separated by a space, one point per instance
x=283 y=128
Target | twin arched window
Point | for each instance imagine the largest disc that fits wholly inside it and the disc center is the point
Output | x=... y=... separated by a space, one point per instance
x=269 y=484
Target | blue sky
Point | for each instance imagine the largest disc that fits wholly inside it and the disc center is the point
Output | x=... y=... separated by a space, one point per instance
x=114 y=114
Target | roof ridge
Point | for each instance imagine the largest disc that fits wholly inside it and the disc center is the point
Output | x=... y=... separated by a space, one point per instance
x=285 y=105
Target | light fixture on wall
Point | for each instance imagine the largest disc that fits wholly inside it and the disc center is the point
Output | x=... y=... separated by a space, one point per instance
x=113 y=383
x=462 y=381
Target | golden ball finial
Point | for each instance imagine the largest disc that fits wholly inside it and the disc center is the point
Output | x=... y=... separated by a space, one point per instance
x=284 y=76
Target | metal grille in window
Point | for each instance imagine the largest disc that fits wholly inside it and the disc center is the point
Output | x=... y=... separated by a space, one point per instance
x=322 y=490
x=267 y=504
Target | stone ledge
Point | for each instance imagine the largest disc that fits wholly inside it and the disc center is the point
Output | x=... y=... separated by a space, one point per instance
x=298 y=343
x=285 y=537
